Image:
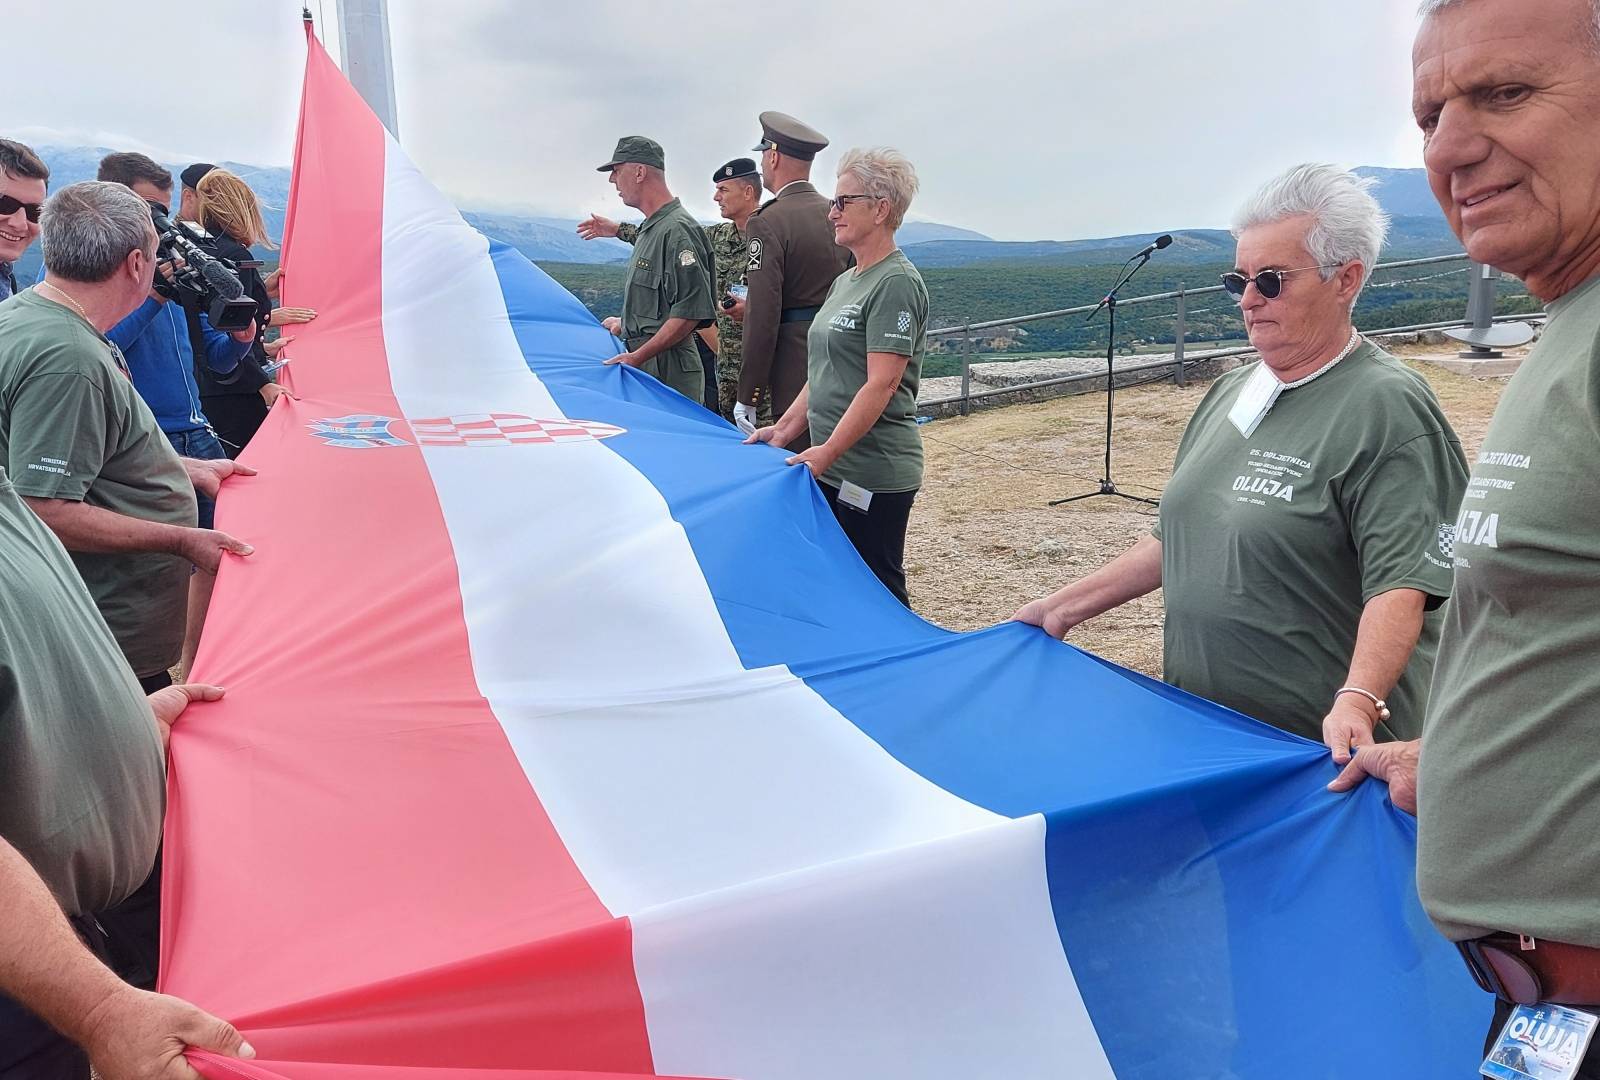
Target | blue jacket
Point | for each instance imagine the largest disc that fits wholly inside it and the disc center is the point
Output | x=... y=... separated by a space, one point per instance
x=155 y=342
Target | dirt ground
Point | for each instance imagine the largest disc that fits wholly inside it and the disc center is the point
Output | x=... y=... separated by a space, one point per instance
x=982 y=540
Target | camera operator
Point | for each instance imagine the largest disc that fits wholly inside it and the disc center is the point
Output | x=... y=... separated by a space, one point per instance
x=228 y=212
x=156 y=341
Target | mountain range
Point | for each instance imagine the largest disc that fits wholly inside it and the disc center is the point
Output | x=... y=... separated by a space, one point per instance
x=1419 y=228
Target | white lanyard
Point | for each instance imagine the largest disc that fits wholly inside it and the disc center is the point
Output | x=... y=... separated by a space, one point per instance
x=1260 y=391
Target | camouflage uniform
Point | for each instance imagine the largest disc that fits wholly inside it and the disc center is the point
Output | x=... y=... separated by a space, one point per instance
x=730 y=254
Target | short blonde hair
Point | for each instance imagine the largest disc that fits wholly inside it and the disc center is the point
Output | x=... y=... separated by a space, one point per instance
x=227 y=205
x=884 y=173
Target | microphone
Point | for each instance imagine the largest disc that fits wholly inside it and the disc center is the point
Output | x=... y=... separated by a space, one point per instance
x=221 y=279
x=1162 y=241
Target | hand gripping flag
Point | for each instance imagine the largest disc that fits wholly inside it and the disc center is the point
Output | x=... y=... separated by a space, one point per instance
x=567 y=737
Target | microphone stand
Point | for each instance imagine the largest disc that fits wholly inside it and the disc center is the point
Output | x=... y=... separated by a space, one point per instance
x=1109 y=303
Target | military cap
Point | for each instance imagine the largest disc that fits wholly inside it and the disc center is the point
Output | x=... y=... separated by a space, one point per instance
x=733 y=170
x=789 y=136
x=195 y=173
x=636 y=149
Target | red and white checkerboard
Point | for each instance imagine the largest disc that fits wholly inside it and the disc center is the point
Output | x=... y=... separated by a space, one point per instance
x=499 y=429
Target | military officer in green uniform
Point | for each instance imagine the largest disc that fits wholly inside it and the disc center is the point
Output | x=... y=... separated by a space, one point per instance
x=738 y=191
x=792 y=263
x=668 y=292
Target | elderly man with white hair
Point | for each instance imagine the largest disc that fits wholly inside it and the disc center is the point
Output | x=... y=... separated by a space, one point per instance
x=1507 y=96
x=1304 y=536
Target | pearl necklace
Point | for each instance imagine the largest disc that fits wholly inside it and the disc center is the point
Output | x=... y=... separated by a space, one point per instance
x=1350 y=347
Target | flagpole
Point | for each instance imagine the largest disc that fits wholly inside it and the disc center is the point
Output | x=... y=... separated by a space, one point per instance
x=365 y=56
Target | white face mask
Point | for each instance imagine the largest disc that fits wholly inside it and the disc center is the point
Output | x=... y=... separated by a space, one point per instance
x=1260 y=391
x=1256 y=398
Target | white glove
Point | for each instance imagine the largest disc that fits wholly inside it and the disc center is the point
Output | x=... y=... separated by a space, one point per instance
x=744 y=416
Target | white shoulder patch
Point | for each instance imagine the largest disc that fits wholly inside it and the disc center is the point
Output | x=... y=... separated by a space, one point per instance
x=686 y=257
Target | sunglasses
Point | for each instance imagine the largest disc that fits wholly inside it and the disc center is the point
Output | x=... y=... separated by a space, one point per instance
x=1501 y=972
x=9 y=206
x=1269 y=282
x=839 y=202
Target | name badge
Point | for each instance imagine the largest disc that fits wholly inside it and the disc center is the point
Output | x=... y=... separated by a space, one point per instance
x=854 y=496
x=1256 y=398
x=1540 y=1042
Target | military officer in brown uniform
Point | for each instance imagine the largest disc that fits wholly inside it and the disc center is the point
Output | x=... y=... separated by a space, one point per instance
x=793 y=263
x=668 y=293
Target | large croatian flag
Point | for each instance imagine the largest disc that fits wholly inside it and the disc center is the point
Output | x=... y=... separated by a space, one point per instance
x=566 y=736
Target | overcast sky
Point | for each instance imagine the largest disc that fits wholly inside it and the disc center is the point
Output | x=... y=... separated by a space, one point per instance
x=1026 y=119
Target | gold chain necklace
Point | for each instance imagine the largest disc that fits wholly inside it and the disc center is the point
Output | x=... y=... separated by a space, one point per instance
x=59 y=291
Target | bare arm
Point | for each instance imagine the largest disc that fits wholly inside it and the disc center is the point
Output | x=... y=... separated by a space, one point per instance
x=1390 y=624
x=884 y=371
x=709 y=336
x=127 y=1032
x=1132 y=574
x=81 y=527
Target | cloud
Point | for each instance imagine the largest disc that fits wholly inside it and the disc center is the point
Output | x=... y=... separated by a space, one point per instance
x=1029 y=119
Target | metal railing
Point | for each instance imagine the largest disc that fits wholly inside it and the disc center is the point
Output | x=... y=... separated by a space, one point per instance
x=1180 y=361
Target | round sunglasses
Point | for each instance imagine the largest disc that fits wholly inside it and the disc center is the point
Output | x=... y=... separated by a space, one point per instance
x=1268 y=282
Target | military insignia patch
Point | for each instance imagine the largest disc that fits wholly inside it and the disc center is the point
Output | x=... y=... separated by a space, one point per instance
x=686 y=257
x=903 y=323
x=359 y=431
x=755 y=253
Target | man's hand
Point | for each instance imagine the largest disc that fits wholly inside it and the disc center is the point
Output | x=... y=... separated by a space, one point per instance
x=286 y=316
x=1046 y=616
x=272 y=392
x=744 y=417
x=244 y=336
x=137 y=1035
x=596 y=226
x=208 y=474
x=205 y=548
x=1395 y=763
x=819 y=459
x=168 y=703
x=271 y=282
x=735 y=311
x=1348 y=725
x=630 y=358
x=612 y=325
x=273 y=348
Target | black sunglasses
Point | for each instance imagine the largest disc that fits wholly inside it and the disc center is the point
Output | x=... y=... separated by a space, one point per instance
x=1268 y=282
x=9 y=206
x=839 y=202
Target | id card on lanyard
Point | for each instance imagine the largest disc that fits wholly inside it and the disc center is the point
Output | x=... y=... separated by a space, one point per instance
x=1256 y=398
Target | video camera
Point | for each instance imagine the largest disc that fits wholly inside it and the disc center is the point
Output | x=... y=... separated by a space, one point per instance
x=211 y=283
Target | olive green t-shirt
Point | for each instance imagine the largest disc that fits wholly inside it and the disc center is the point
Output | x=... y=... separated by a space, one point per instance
x=1509 y=785
x=669 y=277
x=881 y=309
x=1272 y=545
x=82 y=779
x=73 y=427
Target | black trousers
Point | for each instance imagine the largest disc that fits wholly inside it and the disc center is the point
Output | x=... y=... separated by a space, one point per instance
x=879 y=535
x=1589 y=1070
x=235 y=418
x=126 y=938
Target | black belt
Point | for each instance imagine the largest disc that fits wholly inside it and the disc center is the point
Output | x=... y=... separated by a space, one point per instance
x=798 y=314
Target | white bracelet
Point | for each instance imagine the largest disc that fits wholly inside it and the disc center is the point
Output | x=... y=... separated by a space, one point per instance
x=1383 y=706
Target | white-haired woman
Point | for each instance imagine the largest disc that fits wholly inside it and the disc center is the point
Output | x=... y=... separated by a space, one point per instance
x=1306 y=530
x=864 y=360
